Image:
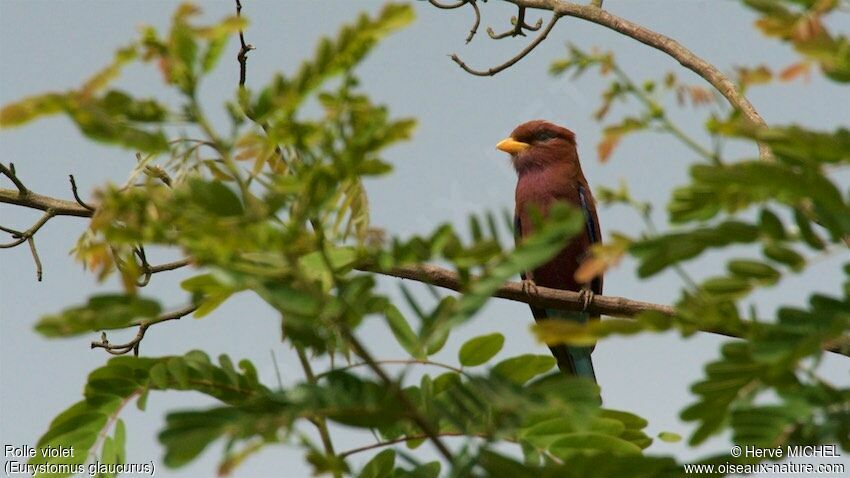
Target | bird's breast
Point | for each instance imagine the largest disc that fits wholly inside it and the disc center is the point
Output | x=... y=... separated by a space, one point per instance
x=542 y=188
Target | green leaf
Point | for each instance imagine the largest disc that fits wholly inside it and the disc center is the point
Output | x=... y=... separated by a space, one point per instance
x=771 y=225
x=806 y=231
x=403 y=333
x=380 y=466
x=583 y=442
x=785 y=255
x=102 y=312
x=755 y=270
x=121 y=106
x=28 y=109
x=658 y=253
x=98 y=121
x=669 y=437
x=331 y=58
x=213 y=53
x=480 y=349
x=524 y=367
x=112 y=385
x=593 y=465
x=216 y=198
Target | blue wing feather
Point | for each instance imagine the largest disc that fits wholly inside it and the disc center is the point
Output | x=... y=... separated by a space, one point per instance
x=572 y=360
x=593 y=234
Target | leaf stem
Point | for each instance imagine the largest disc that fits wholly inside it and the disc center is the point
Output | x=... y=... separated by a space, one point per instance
x=395 y=362
x=348 y=335
x=658 y=114
x=319 y=421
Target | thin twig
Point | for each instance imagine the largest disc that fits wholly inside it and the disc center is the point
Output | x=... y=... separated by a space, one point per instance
x=276 y=370
x=671 y=47
x=169 y=266
x=496 y=69
x=77 y=195
x=320 y=423
x=242 y=57
x=121 y=349
x=9 y=172
x=519 y=27
x=394 y=441
x=139 y=252
x=35 y=258
x=413 y=413
x=20 y=238
x=394 y=362
x=451 y=6
x=148 y=270
x=347 y=334
x=244 y=48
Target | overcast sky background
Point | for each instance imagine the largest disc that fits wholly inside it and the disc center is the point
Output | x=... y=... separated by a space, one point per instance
x=448 y=171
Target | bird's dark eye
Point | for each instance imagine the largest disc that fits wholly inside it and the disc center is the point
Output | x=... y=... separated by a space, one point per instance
x=544 y=136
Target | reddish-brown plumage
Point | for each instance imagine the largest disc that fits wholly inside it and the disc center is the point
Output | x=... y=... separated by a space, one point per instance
x=546 y=160
x=549 y=171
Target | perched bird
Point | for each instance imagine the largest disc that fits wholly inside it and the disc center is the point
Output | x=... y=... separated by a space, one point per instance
x=546 y=161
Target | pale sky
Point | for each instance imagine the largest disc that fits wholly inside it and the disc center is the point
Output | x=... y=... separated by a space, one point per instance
x=449 y=170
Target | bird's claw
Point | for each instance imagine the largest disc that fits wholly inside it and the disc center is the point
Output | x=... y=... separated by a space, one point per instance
x=585 y=295
x=529 y=287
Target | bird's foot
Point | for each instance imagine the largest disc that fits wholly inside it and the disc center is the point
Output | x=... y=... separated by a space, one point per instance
x=585 y=295
x=529 y=287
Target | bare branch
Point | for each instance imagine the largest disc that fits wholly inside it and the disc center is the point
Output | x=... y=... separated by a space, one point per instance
x=544 y=297
x=169 y=266
x=519 y=26
x=451 y=6
x=60 y=207
x=244 y=48
x=121 y=349
x=593 y=13
x=21 y=237
x=77 y=195
x=35 y=258
x=9 y=172
x=531 y=46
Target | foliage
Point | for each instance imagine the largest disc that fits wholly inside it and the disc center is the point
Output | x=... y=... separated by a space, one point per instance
x=765 y=389
x=277 y=208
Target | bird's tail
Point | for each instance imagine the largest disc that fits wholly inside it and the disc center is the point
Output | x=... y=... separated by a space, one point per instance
x=573 y=360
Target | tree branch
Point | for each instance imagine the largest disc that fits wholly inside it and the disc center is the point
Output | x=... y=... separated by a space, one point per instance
x=519 y=27
x=394 y=441
x=460 y=3
x=60 y=207
x=671 y=47
x=441 y=277
x=594 y=13
x=121 y=349
x=544 y=298
x=9 y=172
x=244 y=49
x=395 y=362
x=519 y=56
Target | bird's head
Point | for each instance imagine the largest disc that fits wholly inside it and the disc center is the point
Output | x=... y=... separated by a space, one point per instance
x=538 y=144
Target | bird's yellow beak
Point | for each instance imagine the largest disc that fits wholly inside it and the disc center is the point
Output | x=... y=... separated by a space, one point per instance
x=510 y=145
